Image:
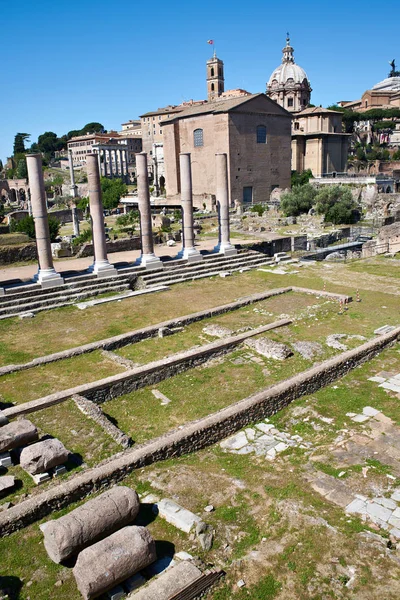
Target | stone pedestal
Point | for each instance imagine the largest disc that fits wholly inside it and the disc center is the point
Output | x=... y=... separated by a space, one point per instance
x=188 y=252
x=101 y=266
x=148 y=259
x=47 y=276
x=224 y=247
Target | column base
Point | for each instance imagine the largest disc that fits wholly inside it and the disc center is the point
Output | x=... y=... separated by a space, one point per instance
x=150 y=261
x=226 y=249
x=103 y=268
x=190 y=254
x=48 y=278
x=2 y=291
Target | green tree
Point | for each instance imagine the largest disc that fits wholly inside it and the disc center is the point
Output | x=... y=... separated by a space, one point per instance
x=301 y=178
x=113 y=190
x=299 y=200
x=396 y=155
x=92 y=128
x=27 y=226
x=19 y=143
x=22 y=171
x=336 y=203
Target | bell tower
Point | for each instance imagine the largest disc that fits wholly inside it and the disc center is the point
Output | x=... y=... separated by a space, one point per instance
x=215 y=78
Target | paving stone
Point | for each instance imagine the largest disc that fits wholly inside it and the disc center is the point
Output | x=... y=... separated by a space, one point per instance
x=271 y=454
x=360 y=418
x=377 y=379
x=370 y=412
x=245 y=450
x=380 y=512
x=340 y=496
x=182 y=555
x=397 y=513
x=161 y=396
x=384 y=329
x=178 y=516
x=386 y=502
x=395 y=532
x=323 y=486
x=396 y=495
x=281 y=447
x=395 y=522
x=265 y=427
x=235 y=442
x=357 y=506
x=250 y=434
x=392 y=386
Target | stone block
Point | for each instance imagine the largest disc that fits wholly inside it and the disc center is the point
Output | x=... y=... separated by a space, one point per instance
x=378 y=511
x=105 y=564
x=269 y=348
x=59 y=470
x=6 y=483
x=370 y=412
x=384 y=329
x=235 y=442
x=180 y=517
x=387 y=503
x=5 y=460
x=117 y=593
x=217 y=331
x=3 y=419
x=87 y=524
x=17 y=433
x=360 y=418
x=358 y=506
x=40 y=478
x=42 y=456
x=396 y=495
x=392 y=385
x=169 y=583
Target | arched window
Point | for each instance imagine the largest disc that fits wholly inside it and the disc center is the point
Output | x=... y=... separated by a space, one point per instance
x=198 y=138
x=212 y=71
x=261 y=134
x=212 y=87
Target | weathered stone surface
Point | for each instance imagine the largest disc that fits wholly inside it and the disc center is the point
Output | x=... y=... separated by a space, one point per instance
x=308 y=349
x=6 y=483
x=17 y=433
x=269 y=348
x=178 y=516
x=42 y=456
x=217 y=331
x=169 y=583
x=105 y=564
x=3 y=419
x=94 y=412
x=90 y=522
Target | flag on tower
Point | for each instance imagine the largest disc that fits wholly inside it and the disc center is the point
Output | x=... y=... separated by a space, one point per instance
x=210 y=42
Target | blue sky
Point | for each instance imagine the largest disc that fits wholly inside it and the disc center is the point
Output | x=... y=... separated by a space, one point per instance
x=65 y=64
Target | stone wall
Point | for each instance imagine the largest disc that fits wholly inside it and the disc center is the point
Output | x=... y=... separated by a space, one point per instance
x=119 y=341
x=122 y=245
x=11 y=254
x=191 y=437
x=65 y=215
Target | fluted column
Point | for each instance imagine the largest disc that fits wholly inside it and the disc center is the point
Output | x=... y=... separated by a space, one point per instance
x=47 y=275
x=101 y=267
x=105 y=162
x=188 y=251
x=221 y=167
x=148 y=259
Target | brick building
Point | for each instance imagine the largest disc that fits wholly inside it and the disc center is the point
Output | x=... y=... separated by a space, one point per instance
x=255 y=133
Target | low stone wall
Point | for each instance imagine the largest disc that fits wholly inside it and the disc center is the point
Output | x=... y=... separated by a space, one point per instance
x=94 y=412
x=123 y=245
x=12 y=254
x=191 y=437
x=117 y=385
x=118 y=341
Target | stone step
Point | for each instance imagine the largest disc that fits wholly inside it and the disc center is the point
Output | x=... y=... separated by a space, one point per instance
x=96 y=284
x=59 y=300
x=222 y=263
x=208 y=271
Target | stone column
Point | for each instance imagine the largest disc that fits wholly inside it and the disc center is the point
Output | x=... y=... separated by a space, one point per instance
x=99 y=159
x=224 y=246
x=121 y=159
x=47 y=275
x=101 y=267
x=105 y=162
x=188 y=251
x=111 y=163
x=148 y=259
x=73 y=188
x=75 y=219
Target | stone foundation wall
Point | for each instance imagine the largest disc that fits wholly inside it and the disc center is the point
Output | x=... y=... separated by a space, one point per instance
x=123 y=245
x=11 y=254
x=191 y=437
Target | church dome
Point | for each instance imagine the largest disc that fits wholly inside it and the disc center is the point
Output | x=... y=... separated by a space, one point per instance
x=288 y=73
x=288 y=84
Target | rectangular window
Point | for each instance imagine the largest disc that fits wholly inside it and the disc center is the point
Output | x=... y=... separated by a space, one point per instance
x=290 y=102
x=198 y=138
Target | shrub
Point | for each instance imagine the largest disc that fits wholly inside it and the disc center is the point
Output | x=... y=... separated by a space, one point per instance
x=336 y=204
x=85 y=236
x=27 y=226
x=258 y=208
x=299 y=200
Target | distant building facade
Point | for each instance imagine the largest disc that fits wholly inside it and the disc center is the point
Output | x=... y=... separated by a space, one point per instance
x=252 y=130
x=318 y=142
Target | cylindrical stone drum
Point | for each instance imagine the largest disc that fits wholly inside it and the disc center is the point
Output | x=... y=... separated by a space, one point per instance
x=40 y=457
x=16 y=434
x=105 y=564
x=89 y=523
